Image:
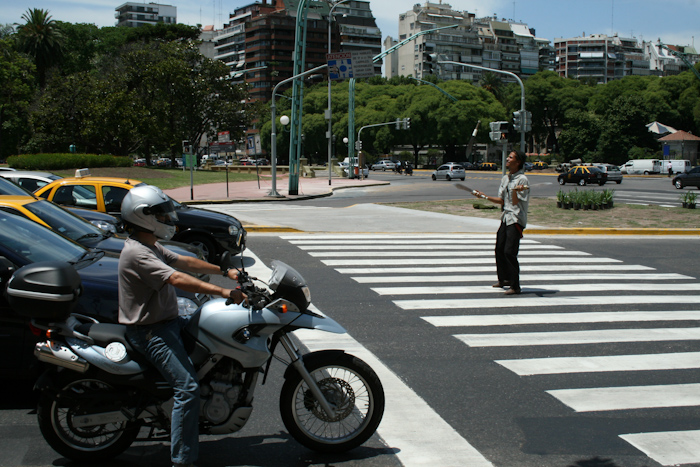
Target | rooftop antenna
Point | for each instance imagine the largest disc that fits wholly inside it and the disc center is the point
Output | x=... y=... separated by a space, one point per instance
x=612 y=16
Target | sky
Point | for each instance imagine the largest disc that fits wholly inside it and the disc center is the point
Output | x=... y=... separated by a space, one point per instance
x=673 y=21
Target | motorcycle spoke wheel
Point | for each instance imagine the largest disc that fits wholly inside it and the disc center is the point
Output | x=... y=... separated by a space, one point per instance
x=58 y=417
x=354 y=392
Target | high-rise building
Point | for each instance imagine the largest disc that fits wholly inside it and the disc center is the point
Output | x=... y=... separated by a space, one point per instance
x=132 y=14
x=600 y=57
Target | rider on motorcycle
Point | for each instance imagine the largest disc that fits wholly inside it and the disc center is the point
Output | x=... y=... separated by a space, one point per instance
x=148 y=306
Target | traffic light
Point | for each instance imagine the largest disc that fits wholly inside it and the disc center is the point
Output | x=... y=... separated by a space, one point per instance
x=186 y=147
x=358 y=145
x=398 y=123
x=429 y=62
x=527 y=121
x=518 y=120
x=499 y=131
x=406 y=123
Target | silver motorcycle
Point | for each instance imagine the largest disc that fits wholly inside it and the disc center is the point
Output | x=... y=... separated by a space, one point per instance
x=99 y=393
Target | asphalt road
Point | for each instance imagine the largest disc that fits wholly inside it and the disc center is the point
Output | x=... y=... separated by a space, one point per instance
x=596 y=363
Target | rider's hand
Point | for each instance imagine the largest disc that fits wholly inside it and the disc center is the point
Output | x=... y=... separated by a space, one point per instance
x=236 y=295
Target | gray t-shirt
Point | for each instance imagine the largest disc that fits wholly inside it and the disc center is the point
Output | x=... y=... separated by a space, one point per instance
x=514 y=213
x=145 y=297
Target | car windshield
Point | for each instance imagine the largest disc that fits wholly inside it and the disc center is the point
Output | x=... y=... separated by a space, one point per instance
x=34 y=242
x=63 y=221
x=9 y=188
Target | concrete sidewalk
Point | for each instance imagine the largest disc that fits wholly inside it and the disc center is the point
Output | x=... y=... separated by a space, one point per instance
x=357 y=218
x=257 y=191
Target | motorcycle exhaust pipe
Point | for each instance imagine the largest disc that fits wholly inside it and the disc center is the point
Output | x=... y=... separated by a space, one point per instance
x=60 y=356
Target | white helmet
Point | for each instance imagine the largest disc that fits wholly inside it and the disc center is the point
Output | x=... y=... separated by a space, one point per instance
x=148 y=208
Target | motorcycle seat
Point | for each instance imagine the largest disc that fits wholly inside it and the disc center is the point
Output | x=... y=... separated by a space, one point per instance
x=105 y=333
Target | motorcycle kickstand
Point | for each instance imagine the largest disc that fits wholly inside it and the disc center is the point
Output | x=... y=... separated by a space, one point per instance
x=298 y=364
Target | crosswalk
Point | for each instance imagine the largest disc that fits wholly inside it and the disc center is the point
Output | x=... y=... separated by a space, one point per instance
x=441 y=276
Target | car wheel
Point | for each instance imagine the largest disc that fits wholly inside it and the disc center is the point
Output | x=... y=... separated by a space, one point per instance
x=448 y=178
x=601 y=183
x=434 y=177
x=582 y=182
x=383 y=169
x=204 y=244
x=561 y=181
x=462 y=179
x=618 y=181
x=646 y=172
x=679 y=184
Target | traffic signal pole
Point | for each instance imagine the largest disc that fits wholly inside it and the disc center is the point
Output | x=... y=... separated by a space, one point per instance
x=520 y=82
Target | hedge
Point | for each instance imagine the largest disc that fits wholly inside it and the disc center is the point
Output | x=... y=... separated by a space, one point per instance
x=48 y=162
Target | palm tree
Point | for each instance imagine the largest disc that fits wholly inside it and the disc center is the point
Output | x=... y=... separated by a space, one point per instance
x=492 y=83
x=41 y=39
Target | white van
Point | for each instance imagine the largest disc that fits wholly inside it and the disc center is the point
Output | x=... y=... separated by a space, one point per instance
x=678 y=166
x=642 y=166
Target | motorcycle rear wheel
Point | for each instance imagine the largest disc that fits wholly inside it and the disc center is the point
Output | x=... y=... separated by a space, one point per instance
x=78 y=396
x=351 y=387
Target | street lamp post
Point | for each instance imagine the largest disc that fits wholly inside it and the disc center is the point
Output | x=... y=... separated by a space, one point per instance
x=329 y=112
x=273 y=122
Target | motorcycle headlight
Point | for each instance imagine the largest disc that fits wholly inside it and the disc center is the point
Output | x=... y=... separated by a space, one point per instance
x=185 y=306
x=106 y=226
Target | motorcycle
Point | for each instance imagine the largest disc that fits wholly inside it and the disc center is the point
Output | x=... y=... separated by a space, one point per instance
x=98 y=392
x=409 y=169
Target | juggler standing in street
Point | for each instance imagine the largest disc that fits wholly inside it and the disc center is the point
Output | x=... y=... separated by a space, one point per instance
x=513 y=196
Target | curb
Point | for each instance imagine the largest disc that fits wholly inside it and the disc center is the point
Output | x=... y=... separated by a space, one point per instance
x=610 y=231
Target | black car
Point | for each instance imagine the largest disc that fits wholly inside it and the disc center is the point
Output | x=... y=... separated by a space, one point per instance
x=23 y=242
x=583 y=175
x=691 y=178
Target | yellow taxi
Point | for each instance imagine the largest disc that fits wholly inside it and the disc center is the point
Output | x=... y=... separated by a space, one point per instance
x=539 y=165
x=213 y=232
x=583 y=175
x=487 y=166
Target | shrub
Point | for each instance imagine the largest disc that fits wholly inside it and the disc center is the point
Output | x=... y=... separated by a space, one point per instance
x=48 y=162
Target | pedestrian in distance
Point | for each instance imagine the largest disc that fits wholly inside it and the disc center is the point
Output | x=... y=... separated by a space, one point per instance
x=513 y=196
x=669 y=165
x=148 y=307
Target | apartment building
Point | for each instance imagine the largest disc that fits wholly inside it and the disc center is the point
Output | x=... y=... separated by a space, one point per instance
x=663 y=63
x=600 y=57
x=257 y=43
x=133 y=15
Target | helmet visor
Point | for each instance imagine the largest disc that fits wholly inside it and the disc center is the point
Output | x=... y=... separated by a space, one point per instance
x=163 y=212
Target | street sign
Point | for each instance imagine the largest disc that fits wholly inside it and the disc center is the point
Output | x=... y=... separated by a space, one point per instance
x=344 y=65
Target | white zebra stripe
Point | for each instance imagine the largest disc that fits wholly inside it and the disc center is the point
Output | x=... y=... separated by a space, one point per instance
x=523 y=277
x=562 y=318
x=629 y=397
x=543 y=289
x=668 y=447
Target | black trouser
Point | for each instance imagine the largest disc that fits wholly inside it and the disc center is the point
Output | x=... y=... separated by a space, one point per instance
x=507 y=246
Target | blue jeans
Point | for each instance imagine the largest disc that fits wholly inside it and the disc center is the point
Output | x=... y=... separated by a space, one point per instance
x=162 y=345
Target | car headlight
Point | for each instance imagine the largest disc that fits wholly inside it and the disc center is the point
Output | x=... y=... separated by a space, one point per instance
x=185 y=306
x=233 y=230
x=104 y=225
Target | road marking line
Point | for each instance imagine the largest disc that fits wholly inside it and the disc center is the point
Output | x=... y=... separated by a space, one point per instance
x=668 y=447
x=434 y=261
x=607 y=363
x=523 y=278
x=513 y=339
x=540 y=289
x=437 y=254
x=488 y=268
x=422 y=247
x=520 y=301
x=629 y=397
x=562 y=318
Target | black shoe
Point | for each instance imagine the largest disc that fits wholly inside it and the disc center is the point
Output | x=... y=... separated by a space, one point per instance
x=515 y=291
x=501 y=284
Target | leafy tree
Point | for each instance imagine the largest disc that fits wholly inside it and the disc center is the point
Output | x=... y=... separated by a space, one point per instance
x=624 y=127
x=579 y=137
x=17 y=87
x=41 y=39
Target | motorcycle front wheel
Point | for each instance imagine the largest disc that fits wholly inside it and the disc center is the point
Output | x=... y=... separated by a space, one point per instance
x=350 y=386
x=59 y=416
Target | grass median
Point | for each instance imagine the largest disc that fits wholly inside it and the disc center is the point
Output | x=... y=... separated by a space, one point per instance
x=544 y=212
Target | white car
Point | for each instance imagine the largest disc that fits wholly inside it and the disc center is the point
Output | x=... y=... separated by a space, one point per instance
x=344 y=165
x=383 y=165
x=613 y=171
x=449 y=171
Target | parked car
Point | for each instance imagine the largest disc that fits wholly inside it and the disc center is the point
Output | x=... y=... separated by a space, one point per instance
x=449 y=171
x=486 y=166
x=583 y=175
x=98 y=219
x=23 y=242
x=79 y=230
x=691 y=178
x=539 y=165
x=384 y=165
x=528 y=166
x=344 y=165
x=140 y=163
x=30 y=180
x=613 y=171
x=211 y=231
x=468 y=166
